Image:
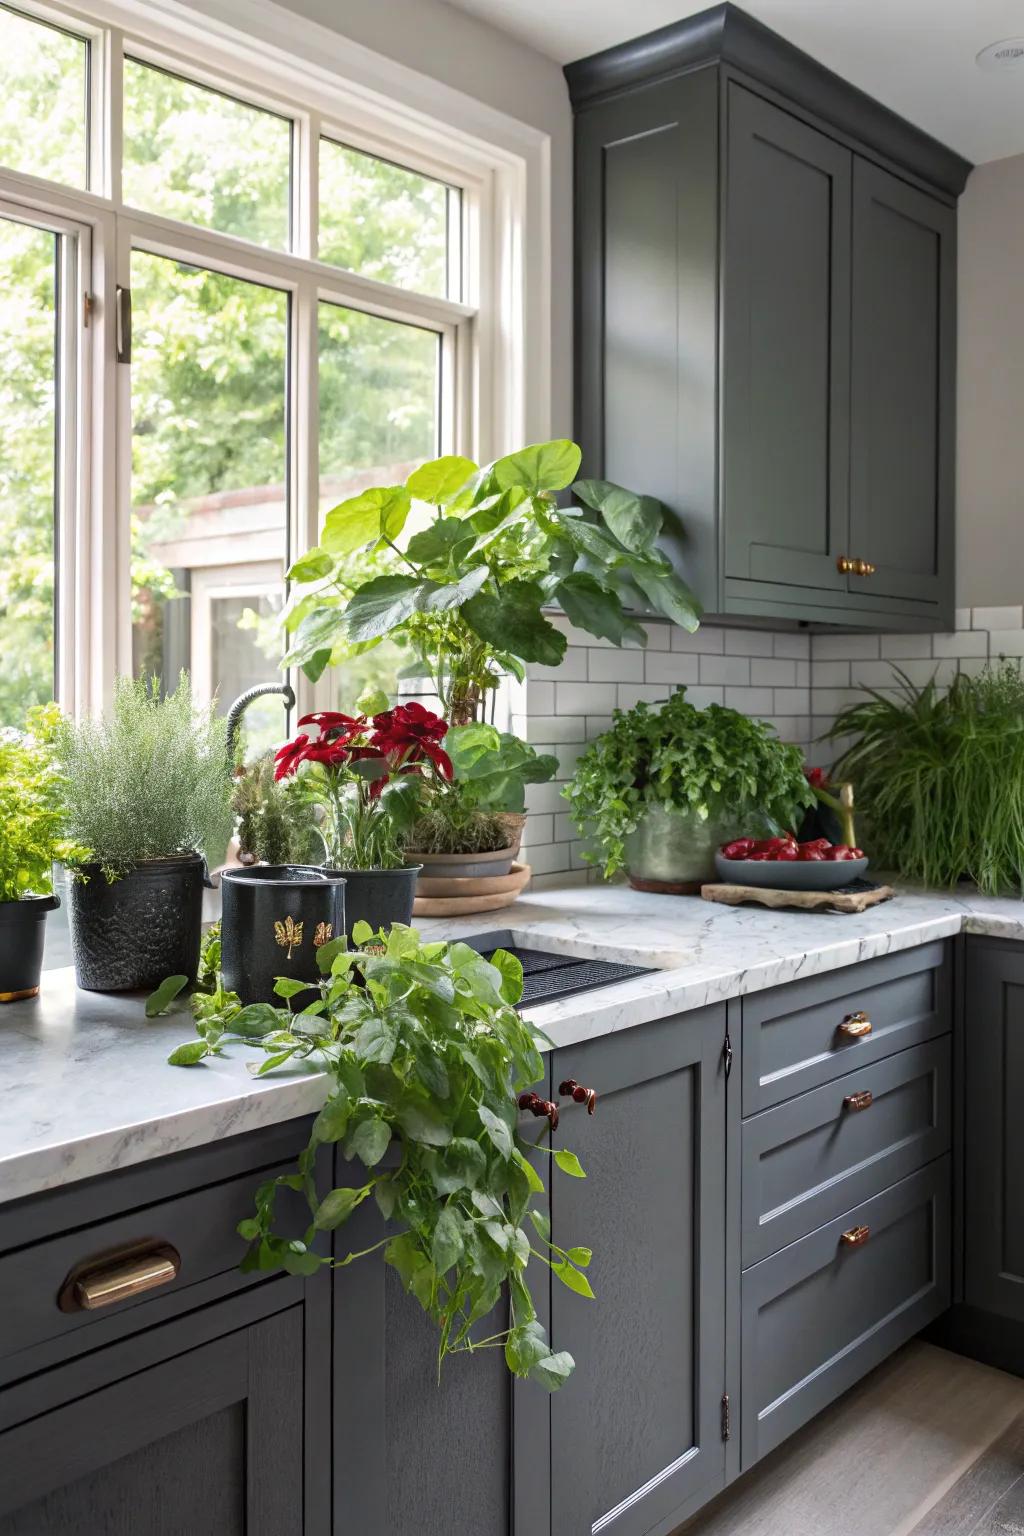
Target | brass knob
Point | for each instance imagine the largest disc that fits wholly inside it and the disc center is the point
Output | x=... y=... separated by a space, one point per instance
x=844 y=565
x=857 y=1101
x=856 y=1237
x=113 y=1277
x=855 y=1026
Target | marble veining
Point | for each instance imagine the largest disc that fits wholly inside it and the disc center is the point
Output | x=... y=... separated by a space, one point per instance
x=87 y=1089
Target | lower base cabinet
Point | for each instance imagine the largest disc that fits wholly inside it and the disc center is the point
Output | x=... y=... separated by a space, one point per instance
x=150 y=1436
x=636 y=1435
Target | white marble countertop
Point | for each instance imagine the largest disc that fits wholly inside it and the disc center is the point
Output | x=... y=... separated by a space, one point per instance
x=86 y=1088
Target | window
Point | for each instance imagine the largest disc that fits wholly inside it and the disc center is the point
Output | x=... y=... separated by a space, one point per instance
x=233 y=290
x=44 y=127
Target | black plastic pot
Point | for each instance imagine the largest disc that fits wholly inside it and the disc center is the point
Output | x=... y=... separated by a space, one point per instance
x=22 y=932
x=274 y=918
x=379 y=897
x=132 y=932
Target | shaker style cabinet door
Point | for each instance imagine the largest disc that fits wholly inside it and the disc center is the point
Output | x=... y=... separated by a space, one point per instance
x=206 y=1443
x=994 y=1129
x=636 y=1432
x=786 y=349
x=902 y=432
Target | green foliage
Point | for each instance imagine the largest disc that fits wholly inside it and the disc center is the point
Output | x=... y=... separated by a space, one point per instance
x=467 y=592
x=31 y=807
x=492 y=768
x=423 y=1048
x=940 y=778
x=449 y=825
x=148 y=780
x=713 y=763
x=276 y=824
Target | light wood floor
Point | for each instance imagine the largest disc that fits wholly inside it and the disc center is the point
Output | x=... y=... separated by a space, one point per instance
x=930 y=1444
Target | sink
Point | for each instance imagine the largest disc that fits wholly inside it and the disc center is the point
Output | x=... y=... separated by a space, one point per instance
x=548 y=973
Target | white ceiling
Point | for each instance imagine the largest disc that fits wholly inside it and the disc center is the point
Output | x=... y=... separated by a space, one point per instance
x=916 y=56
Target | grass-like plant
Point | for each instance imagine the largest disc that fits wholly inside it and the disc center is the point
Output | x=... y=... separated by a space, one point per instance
x=148 y=780
x=939 y=778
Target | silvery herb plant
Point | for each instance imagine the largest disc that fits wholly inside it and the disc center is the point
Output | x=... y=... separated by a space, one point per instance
x=428 y=1061
x=493 y=548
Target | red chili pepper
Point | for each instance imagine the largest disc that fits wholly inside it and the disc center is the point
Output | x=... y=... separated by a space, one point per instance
x=811 y=856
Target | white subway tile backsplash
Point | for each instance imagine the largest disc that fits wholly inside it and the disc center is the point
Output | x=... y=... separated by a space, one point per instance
x=874 y=674
x=792 y=701
x=583 y=698
x=671 y=667
x=750 y=701
x=748 y=642
x=565 y=829
x=997 y=618
x=701 y=696
x=803 y=674
x=659 y=636
x=706 y=639
x=630 y=694
x=830 y=674
x=557 y=880
x=725 y=669
x=539 y=829
x=571 y=668
x=961 y=618
x=551 y=859
x=544 y=799
x=844 y=647
x=900 y=645
x=965 y=642
x=615 y=666
x=773 y=673
x=555 y=728
x=795 y=645
x=1006 y=642
x=539 y=696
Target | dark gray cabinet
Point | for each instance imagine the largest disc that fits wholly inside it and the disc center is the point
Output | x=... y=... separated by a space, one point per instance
x=994 y=1129
x=765 y=319
x=636 y=1436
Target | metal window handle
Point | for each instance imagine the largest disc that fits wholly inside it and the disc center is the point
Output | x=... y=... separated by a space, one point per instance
x=855 y=1026
x=857 y=1101
x=114 y=1277
x=856 y=1237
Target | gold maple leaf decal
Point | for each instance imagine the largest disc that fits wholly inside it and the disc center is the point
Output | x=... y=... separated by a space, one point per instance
x=322 y=934
x=288 y=934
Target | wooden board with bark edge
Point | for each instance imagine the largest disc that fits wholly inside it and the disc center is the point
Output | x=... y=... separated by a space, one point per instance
x=804 y=901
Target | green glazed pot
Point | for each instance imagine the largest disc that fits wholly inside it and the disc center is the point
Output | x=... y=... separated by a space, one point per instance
x=673 y=852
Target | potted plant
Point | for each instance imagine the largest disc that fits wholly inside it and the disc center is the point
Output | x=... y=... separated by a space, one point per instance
x=430 y=1070
x=147 y=794
x=366 y=776
x=31 y=814
x=467 y=833
x=661 y=789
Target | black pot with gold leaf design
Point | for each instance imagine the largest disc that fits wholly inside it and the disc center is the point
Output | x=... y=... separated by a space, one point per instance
x=274 y=918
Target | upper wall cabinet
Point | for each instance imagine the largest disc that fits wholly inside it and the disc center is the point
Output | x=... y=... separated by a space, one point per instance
x=765 y=326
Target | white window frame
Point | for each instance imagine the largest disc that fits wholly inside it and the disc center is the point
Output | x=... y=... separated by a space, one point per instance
x=493 y=339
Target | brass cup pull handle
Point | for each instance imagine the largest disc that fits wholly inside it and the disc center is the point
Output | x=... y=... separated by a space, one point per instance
x=856 y=1237
x=855 y=1026
x=857 y=1101
x=114 y=1277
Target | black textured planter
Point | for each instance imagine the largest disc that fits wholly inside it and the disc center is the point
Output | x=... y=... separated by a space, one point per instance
x=22 y=931
x=379 y=897
x=274 y=918
x=132 y=932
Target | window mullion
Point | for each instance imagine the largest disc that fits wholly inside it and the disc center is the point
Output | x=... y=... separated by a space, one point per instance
x=107 y=103
x=305 y=196
x=305 y=476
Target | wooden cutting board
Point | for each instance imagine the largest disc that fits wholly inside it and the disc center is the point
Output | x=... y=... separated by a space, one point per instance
x=804 y=901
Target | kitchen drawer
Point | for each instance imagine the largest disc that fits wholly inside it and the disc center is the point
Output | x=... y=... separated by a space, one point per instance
x=819 y=1314
x=193 y=1230
x=808 y=1160
x=793 y=1036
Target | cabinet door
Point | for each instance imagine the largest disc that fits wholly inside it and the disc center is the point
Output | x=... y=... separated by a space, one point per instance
x=903 y=388
x=208 y=1443
x=994 y=1130
x=636 y=1433
x=786 y=340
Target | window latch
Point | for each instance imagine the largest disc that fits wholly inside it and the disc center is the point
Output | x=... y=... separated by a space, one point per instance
x=124 y=325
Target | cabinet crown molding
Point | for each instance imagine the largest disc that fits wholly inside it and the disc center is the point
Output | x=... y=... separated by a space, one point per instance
x=725 y=34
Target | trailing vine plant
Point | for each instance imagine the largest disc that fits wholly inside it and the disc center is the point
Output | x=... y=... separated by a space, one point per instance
x=429 y=1064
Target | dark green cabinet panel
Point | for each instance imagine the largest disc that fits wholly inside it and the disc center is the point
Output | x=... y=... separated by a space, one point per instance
x=636 y=1434
x=994 y=1129
x=786 y=348
x=902 y=421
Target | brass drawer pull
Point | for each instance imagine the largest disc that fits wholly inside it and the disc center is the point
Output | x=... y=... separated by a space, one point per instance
x=855 y=1026
x=846 y=565
x=857 y=1101
x=113 y=1277
x=856 y=1237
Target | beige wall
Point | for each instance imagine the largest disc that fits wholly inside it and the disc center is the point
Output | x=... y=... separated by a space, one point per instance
x=990 y=437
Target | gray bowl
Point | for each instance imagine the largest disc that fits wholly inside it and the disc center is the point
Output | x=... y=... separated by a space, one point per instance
x=791 y=874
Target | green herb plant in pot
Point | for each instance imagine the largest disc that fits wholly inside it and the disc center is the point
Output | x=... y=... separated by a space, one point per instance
x=657 y=793
x=147 y=793
x=31 y=814
x=367 y=777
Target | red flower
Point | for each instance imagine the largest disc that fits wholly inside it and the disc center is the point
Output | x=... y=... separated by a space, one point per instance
x=288 y=757
x=817 y=778
x=330 y=754
x=335 y=726
x=414 y=734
